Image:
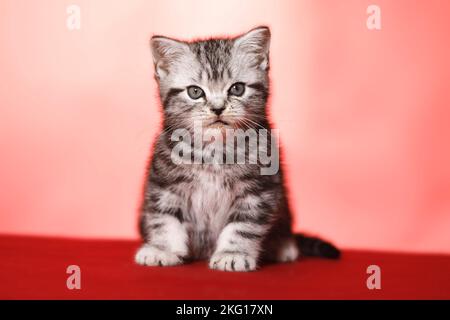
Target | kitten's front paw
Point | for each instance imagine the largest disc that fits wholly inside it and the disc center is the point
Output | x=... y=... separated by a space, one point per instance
x=152 y=256
x=232 y=261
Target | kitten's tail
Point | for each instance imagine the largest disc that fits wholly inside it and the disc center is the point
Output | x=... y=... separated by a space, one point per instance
x=316 y=247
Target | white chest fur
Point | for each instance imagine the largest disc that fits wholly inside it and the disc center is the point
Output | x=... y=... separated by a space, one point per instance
x=209 y=210
x=210 y=201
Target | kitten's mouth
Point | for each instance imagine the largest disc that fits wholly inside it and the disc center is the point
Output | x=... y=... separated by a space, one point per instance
x=218 y=123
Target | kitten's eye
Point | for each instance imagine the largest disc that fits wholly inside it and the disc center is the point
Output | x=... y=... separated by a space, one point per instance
x=195 y=92
x=237 y=89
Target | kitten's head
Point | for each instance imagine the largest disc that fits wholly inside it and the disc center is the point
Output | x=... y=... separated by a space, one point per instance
x=219 y=82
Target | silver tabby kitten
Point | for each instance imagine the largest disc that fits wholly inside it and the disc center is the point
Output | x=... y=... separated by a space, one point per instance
x=228 y=213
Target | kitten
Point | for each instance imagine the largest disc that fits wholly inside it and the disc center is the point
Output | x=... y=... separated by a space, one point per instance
x=227 y=213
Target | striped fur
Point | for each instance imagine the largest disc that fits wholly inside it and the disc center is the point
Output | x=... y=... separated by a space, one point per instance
x=229 y=213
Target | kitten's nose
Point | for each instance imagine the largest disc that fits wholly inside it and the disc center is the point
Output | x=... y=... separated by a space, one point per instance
x=218 y=110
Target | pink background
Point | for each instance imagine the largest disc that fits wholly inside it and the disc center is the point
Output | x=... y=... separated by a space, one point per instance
x=363 y=115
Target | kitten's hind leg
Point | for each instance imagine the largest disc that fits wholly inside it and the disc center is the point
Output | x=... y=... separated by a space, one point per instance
x=166 y=242
x=282 y=250
x=280 y=244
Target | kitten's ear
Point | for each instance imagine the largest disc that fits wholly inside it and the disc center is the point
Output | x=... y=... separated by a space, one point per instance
x=165 y=52
x=256 y=44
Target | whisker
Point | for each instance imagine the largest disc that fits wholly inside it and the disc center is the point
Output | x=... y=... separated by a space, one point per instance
x=248 y=120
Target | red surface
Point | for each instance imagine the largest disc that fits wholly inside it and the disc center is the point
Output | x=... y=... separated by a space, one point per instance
x=35 y=268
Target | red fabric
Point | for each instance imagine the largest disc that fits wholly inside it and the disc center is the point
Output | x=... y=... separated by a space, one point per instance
x=35 y=268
